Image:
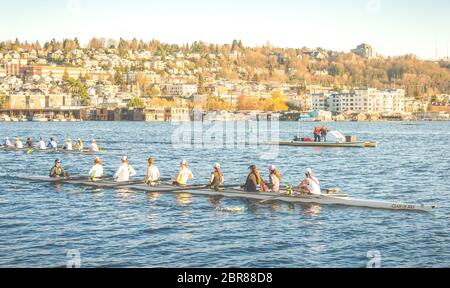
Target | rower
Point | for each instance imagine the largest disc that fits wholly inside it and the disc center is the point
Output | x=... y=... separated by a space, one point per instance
x=184 y=174
x=253 y=180
x=68 y=145
x=41 y=144
x=274 y=179
x=29 y=142
x=8 y=143
x=18 y=144
x=216 y=179
x=152 y=176
x=125 y=171
x=57 y=171
x=93 y=147
x=52 y=144
x=80 y=145
x=310 y=185
x=96 y=171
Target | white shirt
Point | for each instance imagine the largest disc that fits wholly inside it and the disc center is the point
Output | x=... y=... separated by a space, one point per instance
x=19 y=144
x=124 y=173
x=313 y=186
x=152 y=173
x=184 y=175
x=53 y=145
x=68 y=146
x=96 y=171
x=93 y=147
x=41 y=145
x=275 y=182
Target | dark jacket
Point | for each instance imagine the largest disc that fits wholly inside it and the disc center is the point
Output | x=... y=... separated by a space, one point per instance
x=251 y=184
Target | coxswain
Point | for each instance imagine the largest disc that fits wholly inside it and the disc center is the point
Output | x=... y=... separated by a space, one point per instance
x=57 y=170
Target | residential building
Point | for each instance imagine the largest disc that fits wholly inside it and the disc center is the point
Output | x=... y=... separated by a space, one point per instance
x=180 y=89
x=177 y=114
x=53 y=71
x=365 y=51
x=154 y=114
x=361 y=100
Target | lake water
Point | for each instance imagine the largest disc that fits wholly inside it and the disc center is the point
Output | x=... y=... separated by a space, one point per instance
x=41 y=223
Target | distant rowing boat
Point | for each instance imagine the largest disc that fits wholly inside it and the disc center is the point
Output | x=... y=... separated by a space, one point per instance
x=33 y=150
x=366 y=144
x=328 y=199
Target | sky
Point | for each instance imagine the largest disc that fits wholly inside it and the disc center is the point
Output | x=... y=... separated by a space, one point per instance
x=392 y=27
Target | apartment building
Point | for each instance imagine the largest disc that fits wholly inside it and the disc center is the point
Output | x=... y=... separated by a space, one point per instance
x=361 y=100
x=180 y=89
x=55 y=72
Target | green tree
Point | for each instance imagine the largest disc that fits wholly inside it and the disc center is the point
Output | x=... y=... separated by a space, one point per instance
x=2 y=100
x=118 y=77
x=136 y=102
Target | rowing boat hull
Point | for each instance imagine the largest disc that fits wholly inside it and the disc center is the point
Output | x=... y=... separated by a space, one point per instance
x=33 y=150
x=239 y=193
x=367 y=144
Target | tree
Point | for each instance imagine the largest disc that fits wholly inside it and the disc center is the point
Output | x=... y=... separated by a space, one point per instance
x=201 y=84
x=216 y=104
x=66 y=76
x=3 y=100
x=118 y=77
x=249 y=103
x=136 y=102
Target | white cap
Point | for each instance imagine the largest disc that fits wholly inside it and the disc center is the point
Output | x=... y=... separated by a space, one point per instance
x=124 y=158
x=93 y=140
x=184 y=162
x=217 y=166
x=309 y=171
x=272 y=168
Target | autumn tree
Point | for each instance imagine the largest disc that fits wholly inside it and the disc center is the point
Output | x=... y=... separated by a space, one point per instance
x=200 y=84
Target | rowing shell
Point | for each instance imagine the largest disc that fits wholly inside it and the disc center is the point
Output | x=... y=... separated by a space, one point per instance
x=331 y=199
x=33 y=150
x=367 y=144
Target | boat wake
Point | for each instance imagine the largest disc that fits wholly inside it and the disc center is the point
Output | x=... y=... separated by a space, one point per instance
x=231 y=209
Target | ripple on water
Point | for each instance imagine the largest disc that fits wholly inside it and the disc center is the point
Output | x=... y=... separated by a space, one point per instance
x=118 y=228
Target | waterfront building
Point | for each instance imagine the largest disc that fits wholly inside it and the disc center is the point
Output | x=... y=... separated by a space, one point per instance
x=174 y=114
x=361 y=100
x=154 y=114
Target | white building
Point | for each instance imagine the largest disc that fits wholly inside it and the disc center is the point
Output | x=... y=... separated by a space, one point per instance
x=373 y=100
x=361 y=100
x=180 y=89
x=319 y=101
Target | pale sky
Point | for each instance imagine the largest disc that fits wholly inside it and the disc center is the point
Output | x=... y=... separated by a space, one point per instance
x=392 y=27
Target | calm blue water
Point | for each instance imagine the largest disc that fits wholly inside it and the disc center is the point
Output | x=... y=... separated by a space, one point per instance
x=40 y=222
